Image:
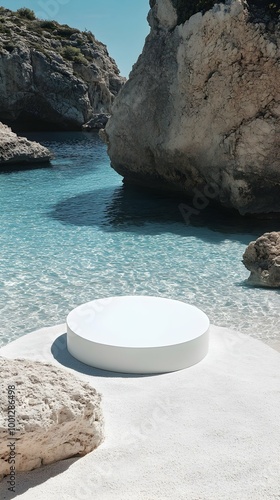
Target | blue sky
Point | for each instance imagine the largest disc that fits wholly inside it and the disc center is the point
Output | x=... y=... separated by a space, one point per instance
x=120 y=24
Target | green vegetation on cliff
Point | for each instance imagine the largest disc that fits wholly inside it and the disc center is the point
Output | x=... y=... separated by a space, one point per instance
x=186 y=8
x=43 y=35
x=52 y=76
x=27 y=13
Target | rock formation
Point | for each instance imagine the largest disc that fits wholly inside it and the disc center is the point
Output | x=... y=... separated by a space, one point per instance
x=14 y=149
x=262 y=259
x=47 y=413
x=97 y=122
x=201 y=108
x=51 y=75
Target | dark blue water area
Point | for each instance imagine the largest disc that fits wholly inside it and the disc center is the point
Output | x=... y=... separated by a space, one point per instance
x=71 y=232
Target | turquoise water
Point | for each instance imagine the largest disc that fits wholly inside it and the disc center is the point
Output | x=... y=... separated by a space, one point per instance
x=71 y=233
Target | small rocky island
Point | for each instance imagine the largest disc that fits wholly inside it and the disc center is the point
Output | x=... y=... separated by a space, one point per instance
x=18 y=150
x=201 y=108
x=52 y=76
x=262 y=259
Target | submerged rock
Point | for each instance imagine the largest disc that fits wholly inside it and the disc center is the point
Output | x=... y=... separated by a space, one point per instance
x=262 y=259
x=52 y=75
x=48 y=413
x=201 y=108
x=97 y=122
x=15 y=149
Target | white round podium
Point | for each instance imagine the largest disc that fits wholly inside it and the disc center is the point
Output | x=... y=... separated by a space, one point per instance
x=138 y=334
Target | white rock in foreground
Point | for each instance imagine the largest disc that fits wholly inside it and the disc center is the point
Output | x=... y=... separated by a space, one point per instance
x=57 y=415
x=14 y=149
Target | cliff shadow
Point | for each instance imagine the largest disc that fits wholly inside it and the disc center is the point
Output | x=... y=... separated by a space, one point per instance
x=131 y=209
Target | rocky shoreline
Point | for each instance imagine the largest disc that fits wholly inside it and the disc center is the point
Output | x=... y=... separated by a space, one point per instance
x=15 y=149
x=52 y=76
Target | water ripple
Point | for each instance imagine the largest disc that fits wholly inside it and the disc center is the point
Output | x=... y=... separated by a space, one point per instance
x=72 y=233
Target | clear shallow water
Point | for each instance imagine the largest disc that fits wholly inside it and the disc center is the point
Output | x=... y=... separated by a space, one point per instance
x=71 y=233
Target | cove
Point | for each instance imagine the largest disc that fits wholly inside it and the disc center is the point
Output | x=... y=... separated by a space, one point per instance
x=72 y=233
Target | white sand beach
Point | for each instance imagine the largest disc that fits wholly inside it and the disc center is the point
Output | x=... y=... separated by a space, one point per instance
x=209 y=432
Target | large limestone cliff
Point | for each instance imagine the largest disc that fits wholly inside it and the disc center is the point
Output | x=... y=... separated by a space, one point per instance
x=51 y=75
x=201 y=109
